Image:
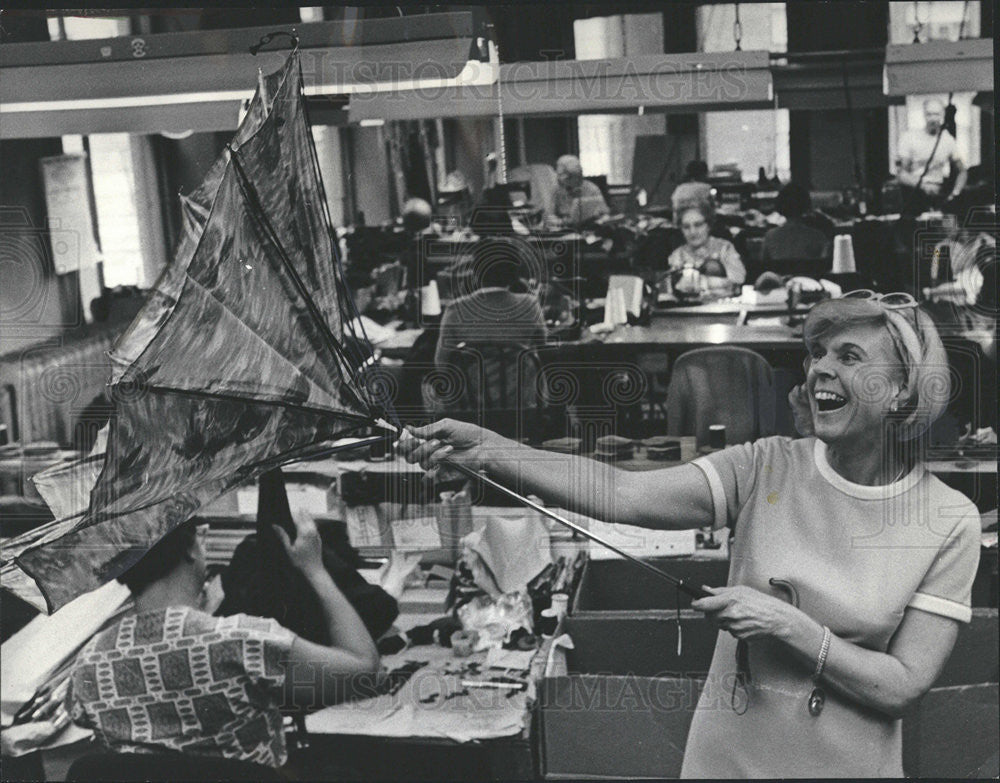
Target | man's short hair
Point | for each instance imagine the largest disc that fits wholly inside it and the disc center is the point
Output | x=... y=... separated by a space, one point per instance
x=164 y=556
x=570 y=164
x=696 y=171
x=793 y=201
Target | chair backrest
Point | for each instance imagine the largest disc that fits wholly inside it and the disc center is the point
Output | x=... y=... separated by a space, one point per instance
x=730 y=386
x=490 y=383
x=121 y=767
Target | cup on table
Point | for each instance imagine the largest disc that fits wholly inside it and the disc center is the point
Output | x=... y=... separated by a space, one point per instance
x=717 y=436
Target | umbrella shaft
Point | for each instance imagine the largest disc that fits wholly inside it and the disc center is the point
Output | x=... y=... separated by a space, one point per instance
x=695 y=591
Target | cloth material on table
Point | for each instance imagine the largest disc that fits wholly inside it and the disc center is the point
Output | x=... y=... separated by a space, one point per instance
x=179 y=679
x=730 y=386
x=514 y=549
x=421 y=707
x=859 y=557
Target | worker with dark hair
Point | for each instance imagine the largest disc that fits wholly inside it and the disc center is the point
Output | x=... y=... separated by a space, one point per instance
x=495 y=305
x=794 y=241
x=169 y=677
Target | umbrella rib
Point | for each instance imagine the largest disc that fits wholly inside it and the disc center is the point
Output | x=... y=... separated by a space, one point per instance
x=257 y=212
x=339 y=270
x=250 y=400
x=288 y=457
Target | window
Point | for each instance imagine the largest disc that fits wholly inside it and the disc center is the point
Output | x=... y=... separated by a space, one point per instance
x=129 y=222
x=935 y=21
x=748 y=140
x=607 y=141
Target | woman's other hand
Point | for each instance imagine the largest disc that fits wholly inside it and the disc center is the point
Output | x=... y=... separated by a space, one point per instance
x=798 y=399
x=747 y=613
x=306 y=551
x=457 y=441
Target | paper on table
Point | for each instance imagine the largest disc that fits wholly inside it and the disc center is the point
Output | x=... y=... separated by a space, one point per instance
x=419 y=534
x=640 y=542
x=499 y=658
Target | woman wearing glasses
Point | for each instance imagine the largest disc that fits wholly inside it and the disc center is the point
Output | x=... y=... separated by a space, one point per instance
x=852 y=566
x=716 y=261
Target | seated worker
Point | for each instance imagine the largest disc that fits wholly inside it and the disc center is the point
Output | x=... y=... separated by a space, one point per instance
x=926 y=158
x=694 y=189
x=794 y=241
x=168 y=677
x=454 y=202
x=959 y=260
x=716 y=259
x=496 y=305
x=577 y=200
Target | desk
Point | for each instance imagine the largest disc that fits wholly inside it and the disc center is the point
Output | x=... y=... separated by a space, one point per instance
x=483 y=734
x=661 y=333
x=681 y=333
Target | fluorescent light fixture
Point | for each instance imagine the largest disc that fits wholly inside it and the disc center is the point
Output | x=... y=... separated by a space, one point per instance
x=128 y=84
x=939 y=66
x=474 y=73
x=662 y=82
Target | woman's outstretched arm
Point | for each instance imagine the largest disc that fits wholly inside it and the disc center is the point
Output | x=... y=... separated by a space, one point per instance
x=668 y=499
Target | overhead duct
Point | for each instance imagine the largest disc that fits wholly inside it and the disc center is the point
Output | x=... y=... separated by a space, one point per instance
x=197 y=80
x=657 y=82
x=939 y=66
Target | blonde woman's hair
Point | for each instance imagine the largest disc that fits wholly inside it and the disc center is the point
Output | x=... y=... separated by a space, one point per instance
x=926 y=374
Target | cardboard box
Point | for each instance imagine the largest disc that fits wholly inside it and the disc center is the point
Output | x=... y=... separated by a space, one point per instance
x=952 y=733
x=619 y=586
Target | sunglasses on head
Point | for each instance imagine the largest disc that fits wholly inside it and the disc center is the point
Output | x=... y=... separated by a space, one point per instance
x=899 y=300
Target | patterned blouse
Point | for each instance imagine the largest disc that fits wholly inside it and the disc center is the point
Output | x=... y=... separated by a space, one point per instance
x=179 y=679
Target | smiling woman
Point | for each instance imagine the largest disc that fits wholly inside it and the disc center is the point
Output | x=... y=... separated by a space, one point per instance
x=852 y=566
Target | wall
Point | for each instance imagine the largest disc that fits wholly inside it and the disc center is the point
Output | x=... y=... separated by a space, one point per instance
x=820 y=147
x=369 y=177
x=35 y=304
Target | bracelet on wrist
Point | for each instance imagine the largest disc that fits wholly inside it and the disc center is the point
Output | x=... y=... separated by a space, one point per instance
x=823 y=651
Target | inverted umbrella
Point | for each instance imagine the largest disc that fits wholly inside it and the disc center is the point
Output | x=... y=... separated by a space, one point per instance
x=243 y=358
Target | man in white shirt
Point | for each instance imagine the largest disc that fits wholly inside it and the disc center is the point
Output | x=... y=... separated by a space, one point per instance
x=927 y=156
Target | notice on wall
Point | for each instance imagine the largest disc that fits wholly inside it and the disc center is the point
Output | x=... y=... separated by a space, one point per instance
x=71 y=228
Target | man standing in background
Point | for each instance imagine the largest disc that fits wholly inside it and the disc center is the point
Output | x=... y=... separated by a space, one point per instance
x=926 y=157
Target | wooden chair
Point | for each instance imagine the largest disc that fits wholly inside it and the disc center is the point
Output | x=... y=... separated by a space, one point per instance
x=493 y=384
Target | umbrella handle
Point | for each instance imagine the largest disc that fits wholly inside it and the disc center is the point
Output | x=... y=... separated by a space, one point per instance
x=266 y=39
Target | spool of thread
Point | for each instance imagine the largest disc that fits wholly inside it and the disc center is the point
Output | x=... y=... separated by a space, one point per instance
x=843 y=255
x=614 y=308
x=717 y=436
x=559 y=606
x=430 y=300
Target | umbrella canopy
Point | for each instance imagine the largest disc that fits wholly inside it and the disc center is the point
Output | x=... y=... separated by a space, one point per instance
x=243 y=358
